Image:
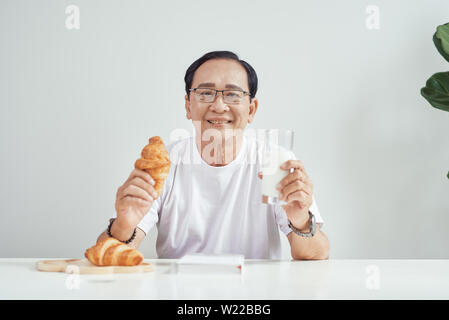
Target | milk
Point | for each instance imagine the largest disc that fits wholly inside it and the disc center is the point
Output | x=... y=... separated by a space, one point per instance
x=271 y=171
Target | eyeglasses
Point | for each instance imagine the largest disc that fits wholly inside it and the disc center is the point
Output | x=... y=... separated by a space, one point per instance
x=229 y=96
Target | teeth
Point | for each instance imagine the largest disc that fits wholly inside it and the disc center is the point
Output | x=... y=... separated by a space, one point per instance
x=218 y=121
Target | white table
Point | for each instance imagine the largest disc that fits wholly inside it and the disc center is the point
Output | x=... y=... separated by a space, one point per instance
x=262 y=279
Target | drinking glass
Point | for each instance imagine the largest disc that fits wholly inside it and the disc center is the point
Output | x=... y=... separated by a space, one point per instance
x=277 y=148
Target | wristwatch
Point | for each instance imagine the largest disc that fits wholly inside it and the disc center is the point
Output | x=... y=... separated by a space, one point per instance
x=312 y=227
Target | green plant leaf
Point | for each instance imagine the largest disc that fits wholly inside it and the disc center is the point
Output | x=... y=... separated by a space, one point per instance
x=436 y=90
x=441 y=40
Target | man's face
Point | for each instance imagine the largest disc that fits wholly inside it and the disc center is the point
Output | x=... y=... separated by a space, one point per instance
x=220 y=74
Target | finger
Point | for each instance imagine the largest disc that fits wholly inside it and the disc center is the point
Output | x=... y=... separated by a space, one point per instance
x=264 y=199
x=289 y=178
x=139 y=182
x=300 y=196
x=294 y=187
x=141 y=174
x=295 y=164
x=135 y=191
x=130 y=200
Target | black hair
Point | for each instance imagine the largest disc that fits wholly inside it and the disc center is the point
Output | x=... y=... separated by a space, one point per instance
x=252 y=76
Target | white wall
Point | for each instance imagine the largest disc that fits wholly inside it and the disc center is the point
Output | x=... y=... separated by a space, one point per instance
x=77 y=106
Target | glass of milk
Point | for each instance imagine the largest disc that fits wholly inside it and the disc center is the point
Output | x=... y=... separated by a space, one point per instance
x=277 y=148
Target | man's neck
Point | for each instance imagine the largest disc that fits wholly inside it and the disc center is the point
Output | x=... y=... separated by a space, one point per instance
x=222 y=152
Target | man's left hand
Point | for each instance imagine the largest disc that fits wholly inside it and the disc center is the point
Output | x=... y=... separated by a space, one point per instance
x=296 y=189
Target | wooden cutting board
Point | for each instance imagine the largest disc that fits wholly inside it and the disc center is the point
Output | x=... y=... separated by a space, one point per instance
x=83 y=266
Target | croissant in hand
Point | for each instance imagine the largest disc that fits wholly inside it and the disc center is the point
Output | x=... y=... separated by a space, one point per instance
x=111 y=252
x=155 y=160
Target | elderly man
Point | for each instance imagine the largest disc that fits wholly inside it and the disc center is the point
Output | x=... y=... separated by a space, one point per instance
x=211 y=200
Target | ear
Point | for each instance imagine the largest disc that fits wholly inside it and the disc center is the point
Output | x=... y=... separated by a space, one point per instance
x=252 y=109
x=187 y=104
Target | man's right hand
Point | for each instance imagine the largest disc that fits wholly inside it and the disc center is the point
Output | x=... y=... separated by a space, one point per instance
x=133 y=201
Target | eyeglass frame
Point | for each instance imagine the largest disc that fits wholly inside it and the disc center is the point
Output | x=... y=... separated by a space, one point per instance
x=222 y=92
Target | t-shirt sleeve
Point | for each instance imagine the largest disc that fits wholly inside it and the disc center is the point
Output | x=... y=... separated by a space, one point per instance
x=282 y=220
x=151 y=218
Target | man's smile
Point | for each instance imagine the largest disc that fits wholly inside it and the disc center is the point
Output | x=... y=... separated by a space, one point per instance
x=219 y=121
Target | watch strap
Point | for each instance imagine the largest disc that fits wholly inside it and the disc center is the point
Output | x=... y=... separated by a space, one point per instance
x=312 y=227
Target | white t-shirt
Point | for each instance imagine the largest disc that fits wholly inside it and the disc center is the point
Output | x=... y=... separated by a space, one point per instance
x=216 y=210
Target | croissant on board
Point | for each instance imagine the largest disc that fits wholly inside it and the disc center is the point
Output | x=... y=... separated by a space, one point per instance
x=111 y=252
x=155 y=160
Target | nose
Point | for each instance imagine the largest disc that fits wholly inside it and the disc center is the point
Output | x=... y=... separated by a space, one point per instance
x=218 y=105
